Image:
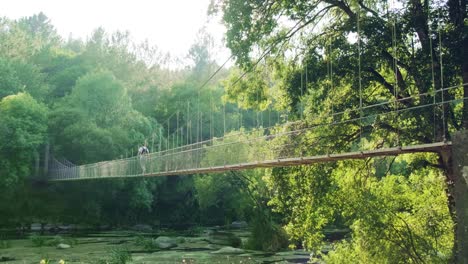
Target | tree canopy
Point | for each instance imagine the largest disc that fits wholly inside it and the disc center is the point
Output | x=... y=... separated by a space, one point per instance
x=85 y=101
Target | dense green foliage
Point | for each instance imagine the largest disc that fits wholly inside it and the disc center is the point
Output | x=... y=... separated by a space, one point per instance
x=96 y=100
x=23 y=126
x=395 y=214
x=315 y=58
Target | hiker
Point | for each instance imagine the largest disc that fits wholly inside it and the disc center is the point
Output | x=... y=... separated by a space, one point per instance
x=142 y=152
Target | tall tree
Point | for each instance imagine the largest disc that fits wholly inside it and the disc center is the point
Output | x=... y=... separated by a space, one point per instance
x=23 y=127
x=379 y=50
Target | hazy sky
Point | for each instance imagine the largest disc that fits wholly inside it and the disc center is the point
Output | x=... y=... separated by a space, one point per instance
x=171 y=25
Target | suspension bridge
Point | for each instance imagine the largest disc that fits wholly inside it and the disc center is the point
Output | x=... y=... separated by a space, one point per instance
x=359 y=132
x=288 y=144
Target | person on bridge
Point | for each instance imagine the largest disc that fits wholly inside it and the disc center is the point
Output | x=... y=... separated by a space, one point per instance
x=142 y=152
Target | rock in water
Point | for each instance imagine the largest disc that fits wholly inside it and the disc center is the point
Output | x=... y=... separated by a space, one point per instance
x=142 y=228
x=63 y=246
x=239 y=224
x=163 y=242
x=229 y=250
x=36 y=227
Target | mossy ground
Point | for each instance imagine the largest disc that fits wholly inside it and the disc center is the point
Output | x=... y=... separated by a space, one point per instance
x=91 y=248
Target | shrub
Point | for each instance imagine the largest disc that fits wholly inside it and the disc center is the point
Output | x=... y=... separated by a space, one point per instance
x=38 y=240
x=180 y=240
x=234 y=241
x=139 y=240
x=194 y=231
x=120 y=256
x=146 y=243
x=4 y=244
x=266 y=235
x=116 y=256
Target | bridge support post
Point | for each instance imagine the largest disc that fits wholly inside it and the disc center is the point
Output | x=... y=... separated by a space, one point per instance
x=46 y=158
x=36 y=164
x=460 y=193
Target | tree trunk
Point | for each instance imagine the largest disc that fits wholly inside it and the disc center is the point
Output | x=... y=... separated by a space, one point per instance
x=456 y=165
x=464 y=69
x=465 y=88
x=457 y=15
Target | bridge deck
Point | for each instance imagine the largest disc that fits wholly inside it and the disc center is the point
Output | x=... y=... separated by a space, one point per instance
x=394 y=151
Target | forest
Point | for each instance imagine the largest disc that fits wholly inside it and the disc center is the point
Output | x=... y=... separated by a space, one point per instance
x=85 y=101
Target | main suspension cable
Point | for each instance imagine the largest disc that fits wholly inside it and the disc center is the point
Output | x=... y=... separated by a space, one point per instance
x=359 y=75
x=429 y=24
x=441 y=79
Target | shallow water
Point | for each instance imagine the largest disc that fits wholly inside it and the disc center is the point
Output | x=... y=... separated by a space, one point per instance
x=98 y=247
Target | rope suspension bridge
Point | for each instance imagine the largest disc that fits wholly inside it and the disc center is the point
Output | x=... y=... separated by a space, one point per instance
x=330 y=136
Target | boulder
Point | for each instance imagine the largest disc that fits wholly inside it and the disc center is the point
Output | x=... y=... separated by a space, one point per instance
x=49 y=227
x=239 y=224
x=104 y=227
x=36 y=227
x=63 y=246
x=142 y=228
x=66 y=227
x=163 y=242
x=229 y=250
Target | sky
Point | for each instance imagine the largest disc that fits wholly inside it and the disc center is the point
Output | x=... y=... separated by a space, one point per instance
x=171 y=25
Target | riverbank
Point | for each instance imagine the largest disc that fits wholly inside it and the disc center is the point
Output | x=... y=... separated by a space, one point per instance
x=208 y=246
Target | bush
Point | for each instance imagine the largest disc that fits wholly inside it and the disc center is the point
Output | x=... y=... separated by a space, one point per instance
x=116 y=256
x=38 y=240
x=266 y=235
x=139 y=240
x=180 y=240
x=4 y=244
x=146 y=243
x=120 y=256
x=235 y=241
x=194 y=231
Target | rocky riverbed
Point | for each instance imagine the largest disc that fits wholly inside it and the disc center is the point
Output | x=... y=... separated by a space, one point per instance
x=144 y=246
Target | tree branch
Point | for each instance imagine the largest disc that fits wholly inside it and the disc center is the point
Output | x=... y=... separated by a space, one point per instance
x=343 y=6
x=377 y=15
x=379 y=78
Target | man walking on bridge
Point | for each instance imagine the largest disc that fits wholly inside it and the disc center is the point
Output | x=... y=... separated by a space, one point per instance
x=142 y=152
